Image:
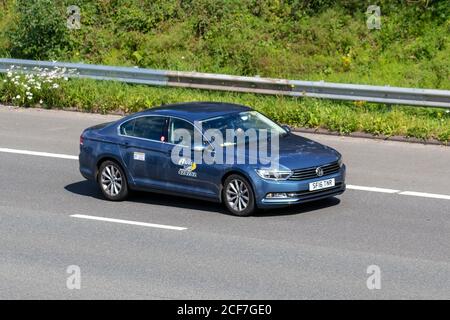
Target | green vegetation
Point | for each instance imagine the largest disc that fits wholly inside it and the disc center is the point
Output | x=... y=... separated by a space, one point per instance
x=297 y=39
x=343 y=117
x=300 y=39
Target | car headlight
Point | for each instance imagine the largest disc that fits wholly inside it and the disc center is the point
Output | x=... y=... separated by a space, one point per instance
x=340 y=161
x=273 y=174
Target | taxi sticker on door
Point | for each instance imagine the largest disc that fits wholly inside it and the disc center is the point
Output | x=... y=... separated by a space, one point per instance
x=188 y=168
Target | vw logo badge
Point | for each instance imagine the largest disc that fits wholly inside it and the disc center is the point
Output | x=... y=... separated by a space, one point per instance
x=319 y=171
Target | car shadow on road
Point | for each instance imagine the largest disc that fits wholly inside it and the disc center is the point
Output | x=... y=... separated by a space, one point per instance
x=90 y=189
x=299 y=208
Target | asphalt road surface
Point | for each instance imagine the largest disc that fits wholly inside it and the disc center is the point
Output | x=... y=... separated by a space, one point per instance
x=395 y=215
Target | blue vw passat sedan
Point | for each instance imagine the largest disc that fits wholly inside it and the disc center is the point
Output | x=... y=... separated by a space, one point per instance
x=213 y=151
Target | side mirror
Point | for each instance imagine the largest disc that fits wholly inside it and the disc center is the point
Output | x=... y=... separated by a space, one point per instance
x=286 y=127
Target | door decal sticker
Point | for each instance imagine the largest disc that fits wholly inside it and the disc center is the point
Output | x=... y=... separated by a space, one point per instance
x=140 y=156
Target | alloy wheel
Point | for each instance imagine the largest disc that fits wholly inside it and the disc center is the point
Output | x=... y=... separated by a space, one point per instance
x=237 y=195
x=111 y=180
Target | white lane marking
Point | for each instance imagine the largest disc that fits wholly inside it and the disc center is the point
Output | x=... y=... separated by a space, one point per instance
x=136 y=223
x=349 y=186
x=403 y=193
x=372 y=189
x=40 y=154
x=425 y=195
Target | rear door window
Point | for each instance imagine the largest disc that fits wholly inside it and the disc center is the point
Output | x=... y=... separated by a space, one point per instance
x=151 y=127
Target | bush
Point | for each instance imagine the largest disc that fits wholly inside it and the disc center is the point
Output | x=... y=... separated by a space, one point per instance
x=39 y=30
x=298 y=39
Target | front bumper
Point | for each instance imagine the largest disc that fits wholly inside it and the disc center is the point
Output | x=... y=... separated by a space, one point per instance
x=298 y=191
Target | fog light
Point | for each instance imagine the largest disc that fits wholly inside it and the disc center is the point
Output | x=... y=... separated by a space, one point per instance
x=277 y=195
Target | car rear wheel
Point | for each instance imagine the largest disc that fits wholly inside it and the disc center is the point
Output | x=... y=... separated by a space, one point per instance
x=238 y=196
x=112 y=181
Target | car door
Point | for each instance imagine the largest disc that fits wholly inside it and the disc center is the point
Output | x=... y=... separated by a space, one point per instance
x=142 y=151
x=182 y=173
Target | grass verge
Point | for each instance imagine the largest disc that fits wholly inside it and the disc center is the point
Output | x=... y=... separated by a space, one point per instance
x=339 y=116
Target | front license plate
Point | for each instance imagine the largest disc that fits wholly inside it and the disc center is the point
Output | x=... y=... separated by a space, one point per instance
x=321 y=184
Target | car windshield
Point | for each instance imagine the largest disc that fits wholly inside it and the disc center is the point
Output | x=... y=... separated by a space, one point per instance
x=243 y=121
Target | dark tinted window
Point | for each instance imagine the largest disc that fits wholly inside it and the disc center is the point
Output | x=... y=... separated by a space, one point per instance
x=180 y=124
x=127 y=128
x=145 y=127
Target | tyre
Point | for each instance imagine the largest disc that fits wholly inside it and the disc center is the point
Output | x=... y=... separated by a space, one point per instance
x=238 y=196
x=112 y=181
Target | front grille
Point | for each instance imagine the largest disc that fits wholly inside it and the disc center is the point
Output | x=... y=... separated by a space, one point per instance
x=310 y=173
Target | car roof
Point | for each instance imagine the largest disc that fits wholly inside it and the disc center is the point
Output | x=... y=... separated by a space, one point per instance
x=196 y=111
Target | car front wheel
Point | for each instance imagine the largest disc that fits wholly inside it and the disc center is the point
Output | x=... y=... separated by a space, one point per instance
x=238 y=196
x=112 y=181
